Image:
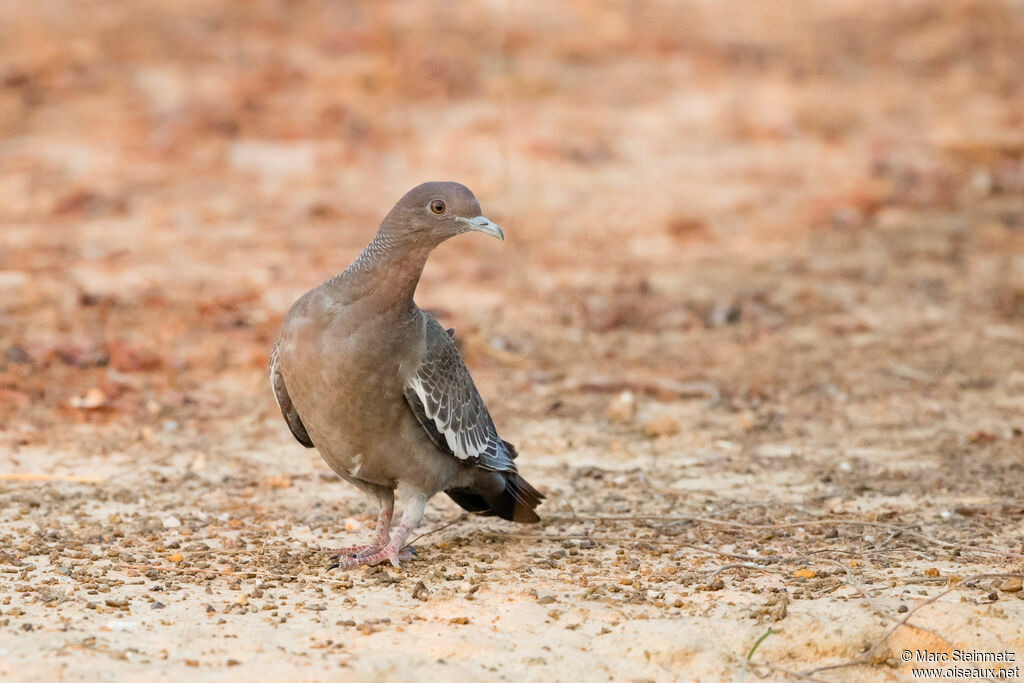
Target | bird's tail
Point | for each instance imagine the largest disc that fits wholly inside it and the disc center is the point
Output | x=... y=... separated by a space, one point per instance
x=515 y=503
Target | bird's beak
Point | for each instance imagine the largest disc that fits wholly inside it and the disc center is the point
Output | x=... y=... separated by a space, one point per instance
x=483 y=224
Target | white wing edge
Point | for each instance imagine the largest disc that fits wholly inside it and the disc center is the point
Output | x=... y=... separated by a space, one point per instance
x=462 y=448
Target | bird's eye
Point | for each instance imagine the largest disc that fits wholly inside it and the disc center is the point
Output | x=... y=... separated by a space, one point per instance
x=437 y=206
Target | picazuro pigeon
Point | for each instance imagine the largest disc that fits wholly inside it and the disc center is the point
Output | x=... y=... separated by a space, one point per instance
x=379 y=388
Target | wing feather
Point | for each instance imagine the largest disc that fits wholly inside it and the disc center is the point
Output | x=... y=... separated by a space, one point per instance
x=447 y=405
x=284 y=402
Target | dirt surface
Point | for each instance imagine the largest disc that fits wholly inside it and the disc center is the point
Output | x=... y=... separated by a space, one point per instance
x=757 y=330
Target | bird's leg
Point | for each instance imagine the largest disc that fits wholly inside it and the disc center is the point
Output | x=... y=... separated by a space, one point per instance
x=381 y=536
x=413 y=504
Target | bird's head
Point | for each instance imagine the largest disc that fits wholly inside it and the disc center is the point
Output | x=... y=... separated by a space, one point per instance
x=432 y=212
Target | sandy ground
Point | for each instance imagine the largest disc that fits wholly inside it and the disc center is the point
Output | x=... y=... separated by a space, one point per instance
x=757 y=330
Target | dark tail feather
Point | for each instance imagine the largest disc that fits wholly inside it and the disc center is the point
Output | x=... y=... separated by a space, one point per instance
x=516 y=503
x=470 y=502
x=526 y=499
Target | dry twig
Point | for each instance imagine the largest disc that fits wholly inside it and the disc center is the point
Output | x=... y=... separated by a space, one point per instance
x=866 y=656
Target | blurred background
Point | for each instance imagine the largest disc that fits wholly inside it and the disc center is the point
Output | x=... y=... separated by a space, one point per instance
x=173 y=175
x=756 y=252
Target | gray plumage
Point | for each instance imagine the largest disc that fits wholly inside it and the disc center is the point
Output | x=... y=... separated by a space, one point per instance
x=379 y=387
x=445 y=401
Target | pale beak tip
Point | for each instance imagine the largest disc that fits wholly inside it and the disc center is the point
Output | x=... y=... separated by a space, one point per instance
x=483 y=224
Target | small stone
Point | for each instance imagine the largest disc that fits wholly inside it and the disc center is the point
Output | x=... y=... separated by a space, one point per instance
x=1011 y=585
x=94 y=398
x=172 y=522
x=661 y=426
x=157 y=605
x=622 y=408
x=902 y=609
x=18 y=355
x=420 y=592
x=932 y=571
x=804 y=573
x=176 y=557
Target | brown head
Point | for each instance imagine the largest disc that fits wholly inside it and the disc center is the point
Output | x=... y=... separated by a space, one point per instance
x=432 y=212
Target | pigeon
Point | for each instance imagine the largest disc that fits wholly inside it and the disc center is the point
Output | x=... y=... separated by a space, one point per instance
x=379 y=387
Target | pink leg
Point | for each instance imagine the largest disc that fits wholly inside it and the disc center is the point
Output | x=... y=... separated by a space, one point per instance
x=413 y=504
x=395 y=551
x=380 y=538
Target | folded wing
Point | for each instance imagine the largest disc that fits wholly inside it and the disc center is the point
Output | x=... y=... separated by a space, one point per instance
x=447 y=405
x=284 y=402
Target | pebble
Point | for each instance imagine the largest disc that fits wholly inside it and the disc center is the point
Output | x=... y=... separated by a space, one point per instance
x=661 y=426
x=121 y=625
x=622 y=408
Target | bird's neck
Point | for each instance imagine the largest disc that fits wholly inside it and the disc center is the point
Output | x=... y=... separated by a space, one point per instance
x=385 y=273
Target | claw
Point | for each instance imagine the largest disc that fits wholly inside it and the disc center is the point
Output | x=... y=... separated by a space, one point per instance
x=404 y=555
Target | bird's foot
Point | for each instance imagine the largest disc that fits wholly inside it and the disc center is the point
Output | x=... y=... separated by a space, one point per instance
x=379 y=542
x=355 y=550
x=375 y=555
